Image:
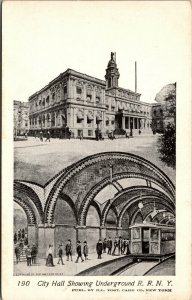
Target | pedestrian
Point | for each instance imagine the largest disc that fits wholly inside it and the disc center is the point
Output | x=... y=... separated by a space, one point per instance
x=85 y=250
x=26 y=135
x=48 y=138
x=109 y=245
x=116 y=247
x=120 y=245
x=60 y=254
x=23 y=233
x=19 y=234
x=17 y=253
x=139 y=131
x=99 y=248
x=15 y=238
x=28 y=255
x=68 y=249
x=79 y=254
x=41 y=136
x=81 y=135
x=128 y=250
x=33 y=254
x=49 y=258
x=104 y=245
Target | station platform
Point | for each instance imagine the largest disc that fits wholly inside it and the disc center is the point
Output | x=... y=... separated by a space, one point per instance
x=70 y=268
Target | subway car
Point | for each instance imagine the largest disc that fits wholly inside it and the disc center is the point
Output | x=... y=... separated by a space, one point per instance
x=152 y=241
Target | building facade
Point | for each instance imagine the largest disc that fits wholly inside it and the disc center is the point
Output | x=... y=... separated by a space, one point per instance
x=82 y=104
x=21 y=118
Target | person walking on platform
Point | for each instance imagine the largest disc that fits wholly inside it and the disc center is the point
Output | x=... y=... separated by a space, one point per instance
x=68 y=250
x=49 y=259
x=104 y=245
x=109 y=245
x=85 y=250
x=79 y=254
x=116 y=247
x=33 y=254
x=60 y=254
x=28 y=255
x=99 y=248
x=127 y=248
x=17 y=253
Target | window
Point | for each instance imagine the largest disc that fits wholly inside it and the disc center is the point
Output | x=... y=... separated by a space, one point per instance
x=112 y=122
x=107 y=122
x=98 y=98
x=65 y=89
x=26 y=124
x=107 y=106
x=154 y=112
x=89 y=121
x=90 y=132
x=78 y=90
x=89 y=96
x=79 y=120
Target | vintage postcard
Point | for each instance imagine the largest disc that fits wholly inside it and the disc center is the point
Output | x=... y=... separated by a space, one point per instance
x=96 y=150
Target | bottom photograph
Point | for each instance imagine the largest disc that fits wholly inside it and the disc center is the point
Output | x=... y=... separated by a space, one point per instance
x=110 y=213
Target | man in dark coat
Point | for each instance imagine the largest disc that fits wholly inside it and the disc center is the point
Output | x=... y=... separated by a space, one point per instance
x=109 y=245
x=85 y=250
x=17 y=253
x=99 y=248
x=28 y=255
x=79 y=254
x=104 y=245
x=60 y=254
x=33 y=254
x=68 y=249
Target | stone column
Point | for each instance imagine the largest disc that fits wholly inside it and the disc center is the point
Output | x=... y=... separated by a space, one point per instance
x=55 y=115
x=103 y=232
x=81 y=233
x=69 y=87
x=49 y=236
x=94 y=95
x=123 y=122
x=119 y=231
x=32 y=234
x=41 y=241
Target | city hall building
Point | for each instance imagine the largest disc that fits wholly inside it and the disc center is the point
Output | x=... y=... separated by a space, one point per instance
x=82 y=103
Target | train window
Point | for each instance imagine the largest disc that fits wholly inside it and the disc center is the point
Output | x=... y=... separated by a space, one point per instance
x=168 y=236
x=136 y=233
x=145 y=233
x=154 y=234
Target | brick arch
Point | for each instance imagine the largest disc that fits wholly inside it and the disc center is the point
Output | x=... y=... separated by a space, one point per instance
x=97 y=207
x=145 y=169
x=158 y=200
x=27 y=194
x=92 y=194
x=31 y=218
x=69 y=201
x=132 y=201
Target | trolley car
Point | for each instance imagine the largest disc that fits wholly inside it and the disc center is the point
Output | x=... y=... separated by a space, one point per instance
x=152 y=241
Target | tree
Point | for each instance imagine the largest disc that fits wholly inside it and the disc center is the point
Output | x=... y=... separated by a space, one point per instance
x=167 y=146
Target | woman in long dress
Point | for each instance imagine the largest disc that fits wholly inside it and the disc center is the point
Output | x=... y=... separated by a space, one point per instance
x=49 y=259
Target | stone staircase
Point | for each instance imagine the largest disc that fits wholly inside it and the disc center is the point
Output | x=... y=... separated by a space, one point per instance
x=22 y=255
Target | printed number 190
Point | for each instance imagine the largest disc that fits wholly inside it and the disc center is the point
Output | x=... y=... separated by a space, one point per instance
x=24 y=283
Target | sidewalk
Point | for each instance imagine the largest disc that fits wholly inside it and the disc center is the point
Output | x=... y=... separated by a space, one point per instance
x=69 y=268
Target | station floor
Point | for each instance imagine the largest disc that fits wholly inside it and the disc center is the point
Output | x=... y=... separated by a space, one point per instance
x=69 y=268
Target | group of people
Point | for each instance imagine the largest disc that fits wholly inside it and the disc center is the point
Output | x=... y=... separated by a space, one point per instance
x=119 y=246
x=21 y=236
x=41 y=136
x=26 y=250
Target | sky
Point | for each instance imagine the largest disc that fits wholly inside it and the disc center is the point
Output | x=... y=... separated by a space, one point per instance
x=41 y=39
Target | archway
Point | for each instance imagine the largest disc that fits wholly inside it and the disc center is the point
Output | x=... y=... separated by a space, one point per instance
x=65 y=221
